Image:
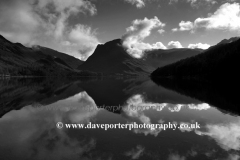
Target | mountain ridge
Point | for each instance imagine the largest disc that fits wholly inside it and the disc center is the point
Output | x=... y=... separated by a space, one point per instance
x=112 y=58
x=19 y=60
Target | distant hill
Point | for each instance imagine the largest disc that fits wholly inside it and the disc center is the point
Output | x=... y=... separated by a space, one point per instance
x=159 y=58
x=218 y=64
x=18 y=60
x=112 y=58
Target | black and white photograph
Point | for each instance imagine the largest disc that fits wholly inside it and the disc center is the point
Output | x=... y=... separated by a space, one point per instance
x=119 y=79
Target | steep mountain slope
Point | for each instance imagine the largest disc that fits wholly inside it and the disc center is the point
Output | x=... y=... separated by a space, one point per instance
x=217 y=64
x=16 y=59
x=71 y=61
x=112 y=58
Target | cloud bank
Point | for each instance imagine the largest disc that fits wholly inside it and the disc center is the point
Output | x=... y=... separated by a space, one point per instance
x=135 y=34
x=199 y=45
x=227 y=18
x=174 y=44
x=45 y=22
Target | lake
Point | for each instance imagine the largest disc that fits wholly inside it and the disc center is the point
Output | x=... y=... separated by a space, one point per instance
x=32 y=111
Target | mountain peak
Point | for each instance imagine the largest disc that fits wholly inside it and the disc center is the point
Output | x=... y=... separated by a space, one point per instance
x=115 y=41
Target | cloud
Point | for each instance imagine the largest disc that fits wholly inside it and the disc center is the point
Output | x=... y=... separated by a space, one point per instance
x=141 y=29
x=138 y=3
x=227 y=18
x=184 y=26
x=174 y=44
x=45 y=22
x=161 y=31
x=175 y=29
x=199 y=45
x=135 y=34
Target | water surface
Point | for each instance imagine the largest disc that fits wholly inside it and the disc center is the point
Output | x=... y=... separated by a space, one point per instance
x=30 y=112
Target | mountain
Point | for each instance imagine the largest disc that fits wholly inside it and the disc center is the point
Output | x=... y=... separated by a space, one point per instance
x=217 y=65
x=112 y=58
x=160 y=57
x=71 y=61
x=18 y=60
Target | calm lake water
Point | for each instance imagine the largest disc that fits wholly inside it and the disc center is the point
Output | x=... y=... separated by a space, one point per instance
x=28 y=129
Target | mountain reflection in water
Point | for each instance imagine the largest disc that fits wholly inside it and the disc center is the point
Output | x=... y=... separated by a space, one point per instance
x=30 y=113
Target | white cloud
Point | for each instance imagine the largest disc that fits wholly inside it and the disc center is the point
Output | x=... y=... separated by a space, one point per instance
x=174 y=44
x=158 y=45
x=161 y=31
x=135 y=34
x=138 y=3
x=35 y=24
x=184 y=26
x=141 y=29
x=175 y=29
x=227 y=17
x=199 y=45
x=83 y=39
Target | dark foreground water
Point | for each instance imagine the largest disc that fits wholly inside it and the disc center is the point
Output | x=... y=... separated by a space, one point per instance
x=30 y=111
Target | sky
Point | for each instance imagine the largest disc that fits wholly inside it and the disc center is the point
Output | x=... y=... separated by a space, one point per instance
x=76 y=27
